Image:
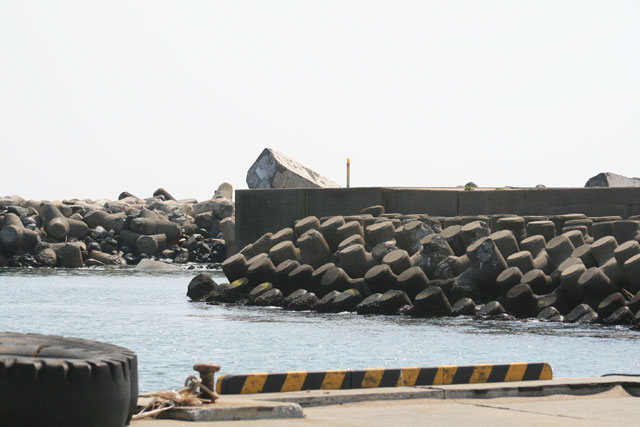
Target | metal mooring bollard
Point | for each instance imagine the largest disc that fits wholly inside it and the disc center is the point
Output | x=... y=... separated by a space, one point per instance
x=207 y=373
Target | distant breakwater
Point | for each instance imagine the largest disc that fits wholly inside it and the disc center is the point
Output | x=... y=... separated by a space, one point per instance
x=84 y=233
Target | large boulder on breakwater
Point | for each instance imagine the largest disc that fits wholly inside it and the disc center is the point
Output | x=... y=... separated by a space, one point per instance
x=273 y=169
x=608 y=179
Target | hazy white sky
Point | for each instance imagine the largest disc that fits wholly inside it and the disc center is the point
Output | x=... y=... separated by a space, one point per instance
x=101 y=97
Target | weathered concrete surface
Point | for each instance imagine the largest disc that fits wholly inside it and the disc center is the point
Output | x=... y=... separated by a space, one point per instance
x=260 y=211
x=608 y=179
x=236 y=409
x=273 y=169
x=274 y=209
x=566 y=402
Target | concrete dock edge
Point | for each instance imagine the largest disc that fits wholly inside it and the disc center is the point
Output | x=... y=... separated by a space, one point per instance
x=230 y=410
x=568 y=386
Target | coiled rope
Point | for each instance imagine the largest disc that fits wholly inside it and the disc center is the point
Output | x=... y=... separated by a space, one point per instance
x=186 y=396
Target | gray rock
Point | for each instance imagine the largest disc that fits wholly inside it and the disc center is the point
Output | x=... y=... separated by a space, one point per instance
x=106 y=259
x=408 y=236
x=491 y=308
x=228 y=229
x=46 y=257
x=126 y=194
x=8 y=201
x=200 y=286
x=345 y=301
x=301 y=300
x=220 y=207
x=370 y=304
x=464 y=307
x=275 y=170
x=434 y=250
x=161 y=192
x=20 y=211
x=225 y=191
x=382 y=249
x=204 y=220
x=271 y=298
x=234 y=292
x=106 y=221
x=608 y=179
x=151 y=265
x=325 y=303
x=259 y=290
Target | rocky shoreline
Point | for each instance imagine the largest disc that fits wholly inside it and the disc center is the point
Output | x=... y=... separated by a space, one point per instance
x=564 y=268
x=85 y=233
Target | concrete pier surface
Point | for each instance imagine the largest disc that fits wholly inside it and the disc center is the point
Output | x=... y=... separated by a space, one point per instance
x=602 y=401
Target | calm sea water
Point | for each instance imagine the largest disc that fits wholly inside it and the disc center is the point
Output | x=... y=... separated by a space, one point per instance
x=150 y=314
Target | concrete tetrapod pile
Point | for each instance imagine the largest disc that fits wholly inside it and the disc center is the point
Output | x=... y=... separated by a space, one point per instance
x=561 y=268
x=76 y=233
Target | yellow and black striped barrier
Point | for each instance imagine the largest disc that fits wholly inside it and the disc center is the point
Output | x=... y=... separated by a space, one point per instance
x=370 y=378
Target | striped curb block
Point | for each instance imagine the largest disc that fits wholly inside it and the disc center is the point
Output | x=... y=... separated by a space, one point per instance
x=371 y=378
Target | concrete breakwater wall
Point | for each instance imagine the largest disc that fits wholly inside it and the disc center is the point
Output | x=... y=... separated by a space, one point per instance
x=76 y=233
x=262 y=211
x=569 y=267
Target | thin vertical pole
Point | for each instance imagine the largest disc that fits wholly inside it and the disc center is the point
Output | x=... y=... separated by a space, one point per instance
x=348 y=173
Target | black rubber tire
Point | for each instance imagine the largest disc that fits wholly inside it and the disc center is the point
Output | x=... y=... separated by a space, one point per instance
x=70 y=382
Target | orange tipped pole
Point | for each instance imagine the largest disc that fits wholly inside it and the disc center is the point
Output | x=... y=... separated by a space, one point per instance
x=348 y=173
